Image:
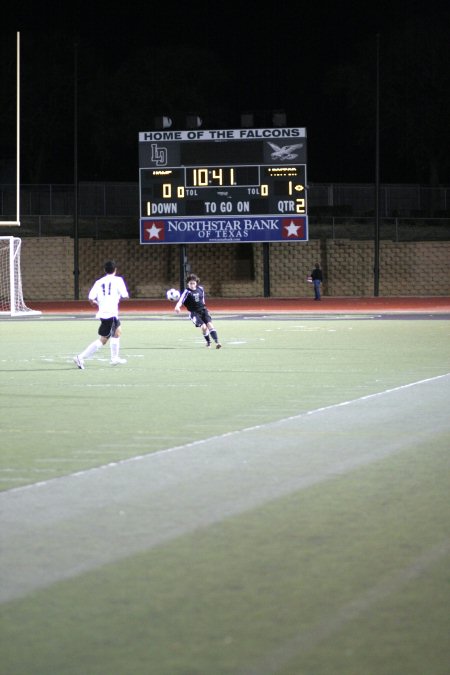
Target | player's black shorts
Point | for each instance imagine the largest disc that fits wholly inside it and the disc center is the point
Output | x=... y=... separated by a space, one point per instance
x=201 y=317
x=108 y=327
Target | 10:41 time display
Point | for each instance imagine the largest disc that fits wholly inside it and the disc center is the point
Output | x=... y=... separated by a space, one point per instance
x=221 y=176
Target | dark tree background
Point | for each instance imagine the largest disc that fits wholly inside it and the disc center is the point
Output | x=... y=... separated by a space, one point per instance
x=414 y=66
x=316 y=63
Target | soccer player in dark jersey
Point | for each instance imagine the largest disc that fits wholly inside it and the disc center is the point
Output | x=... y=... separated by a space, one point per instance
x=193 y=298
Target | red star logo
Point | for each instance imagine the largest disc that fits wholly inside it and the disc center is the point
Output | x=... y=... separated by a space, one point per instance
x=293 y=228
x=154 y=229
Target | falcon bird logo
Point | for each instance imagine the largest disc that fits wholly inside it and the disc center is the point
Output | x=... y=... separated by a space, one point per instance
x=286 y=152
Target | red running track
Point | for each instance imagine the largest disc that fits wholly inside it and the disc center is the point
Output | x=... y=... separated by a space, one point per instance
x=420 y=305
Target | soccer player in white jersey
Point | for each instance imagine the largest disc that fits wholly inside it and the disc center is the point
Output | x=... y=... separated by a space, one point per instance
x=106 y=294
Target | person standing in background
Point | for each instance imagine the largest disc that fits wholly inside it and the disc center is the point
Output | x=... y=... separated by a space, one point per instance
x=317 y=278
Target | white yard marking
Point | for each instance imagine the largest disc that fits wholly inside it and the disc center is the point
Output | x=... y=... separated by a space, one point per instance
x=279 y=658
x=60 y=528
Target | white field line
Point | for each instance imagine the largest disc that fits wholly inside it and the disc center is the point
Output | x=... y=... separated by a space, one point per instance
x=230 y=434
x=61 y=528
x=277 y=660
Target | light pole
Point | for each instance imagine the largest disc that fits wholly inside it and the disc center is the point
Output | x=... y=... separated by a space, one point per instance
x=376 y=263
x=76 y=271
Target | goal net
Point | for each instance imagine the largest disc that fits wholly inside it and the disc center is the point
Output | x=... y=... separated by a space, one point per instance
x=11 y=295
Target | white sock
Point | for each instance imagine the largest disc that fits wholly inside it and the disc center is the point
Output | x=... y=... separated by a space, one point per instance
x=91 y=349
x=114 y=344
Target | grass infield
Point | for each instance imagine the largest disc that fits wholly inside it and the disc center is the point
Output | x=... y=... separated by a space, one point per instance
x=276 y=506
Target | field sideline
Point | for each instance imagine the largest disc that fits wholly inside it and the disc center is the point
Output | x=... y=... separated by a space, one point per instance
x=277 y=507
x=354 y=305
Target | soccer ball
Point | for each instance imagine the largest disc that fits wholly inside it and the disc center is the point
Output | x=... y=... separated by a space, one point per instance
x=173 y=295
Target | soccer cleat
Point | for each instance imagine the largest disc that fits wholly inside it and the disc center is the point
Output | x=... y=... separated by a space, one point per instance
x=208 y=345
x=218 y=345
x=79 y=362
x=117 y=360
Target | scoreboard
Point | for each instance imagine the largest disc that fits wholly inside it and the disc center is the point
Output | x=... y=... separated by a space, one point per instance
x=232 y=185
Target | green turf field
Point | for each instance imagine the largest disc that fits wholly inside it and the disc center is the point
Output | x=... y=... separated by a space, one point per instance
x=276 y=506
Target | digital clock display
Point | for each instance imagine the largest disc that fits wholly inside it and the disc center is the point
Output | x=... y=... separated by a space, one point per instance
x=259 y=194
x=221 y=176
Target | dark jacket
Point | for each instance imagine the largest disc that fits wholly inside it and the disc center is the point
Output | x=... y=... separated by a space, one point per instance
x=316 y=274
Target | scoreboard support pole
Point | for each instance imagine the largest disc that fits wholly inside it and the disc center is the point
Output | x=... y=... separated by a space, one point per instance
x=184 y=267
x=266 y=269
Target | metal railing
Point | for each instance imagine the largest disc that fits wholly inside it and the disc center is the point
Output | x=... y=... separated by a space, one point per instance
x=320 y=227
x=324 y=200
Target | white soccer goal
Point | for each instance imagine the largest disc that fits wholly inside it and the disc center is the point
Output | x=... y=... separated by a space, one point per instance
x=11 y=295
